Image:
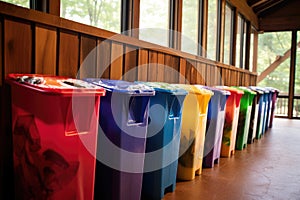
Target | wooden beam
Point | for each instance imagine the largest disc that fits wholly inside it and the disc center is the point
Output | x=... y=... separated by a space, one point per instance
x=266 y=5
x=292 y=75
x=275 y=64
x=53 y=7
x=253 y=3
x=246 y=11
x=222 y=31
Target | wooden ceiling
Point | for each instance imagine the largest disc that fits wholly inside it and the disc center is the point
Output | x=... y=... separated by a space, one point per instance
x=276 y=15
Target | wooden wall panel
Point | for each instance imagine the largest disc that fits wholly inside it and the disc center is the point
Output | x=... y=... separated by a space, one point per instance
x=208 y=75
x=68 y=54
x=130 y=64
x=161 y=67
x=188 y=69
x=88 y=57
x=142 y=65
x=45 y=50
x=171 y=69
x=116 y=70
x=17 y=47
x=201 y=75
x=194 y=72
x=182 y=70
x=152 y=67
x=104 y=49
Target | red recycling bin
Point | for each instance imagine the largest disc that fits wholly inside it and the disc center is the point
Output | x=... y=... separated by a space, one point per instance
x=55 y=125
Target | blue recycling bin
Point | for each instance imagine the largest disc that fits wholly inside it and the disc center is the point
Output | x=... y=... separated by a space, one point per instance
x=262 y=114
x=163 y=140
x=270 y=105
x=257 y=102
x=274 y=101
x=214 y=126
x=121 y=139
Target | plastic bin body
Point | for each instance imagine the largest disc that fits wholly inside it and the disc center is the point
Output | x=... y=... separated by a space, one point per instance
x=162 y=145
x=274 y=101
x=194 y=117
x=257 y=101
x=214 y=126
x=54 y=137
x=244 y=118
x=269 y=108
x=124 y=116
x=231 y=121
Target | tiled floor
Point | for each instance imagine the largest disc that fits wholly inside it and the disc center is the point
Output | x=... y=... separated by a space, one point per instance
x=268 y=169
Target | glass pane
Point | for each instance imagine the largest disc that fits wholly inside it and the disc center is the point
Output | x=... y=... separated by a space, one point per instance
x=251 y=50
x=23 y=3
x=228 y=34
x=154 y=21
x=297 y=80
x=238 y=42
x=105 y=14
x=189 y=41
x=270 y=47
x=212 y=29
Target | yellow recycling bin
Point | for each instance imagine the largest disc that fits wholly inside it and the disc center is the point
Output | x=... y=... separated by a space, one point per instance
x=194 y=116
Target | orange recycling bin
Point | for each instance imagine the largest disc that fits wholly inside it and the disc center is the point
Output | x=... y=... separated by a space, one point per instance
x=55 y=125
x=194 y=117
x=231 y=121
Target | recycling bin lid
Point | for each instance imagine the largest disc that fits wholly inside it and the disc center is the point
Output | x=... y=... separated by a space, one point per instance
x=256 y=90
x=195 y=90
x=165 y=87
x=120 y=86
x=245 y=90
x=231 y=90
x=264 y=90
x=215 y=90
x=55 y=85
x=273 y=89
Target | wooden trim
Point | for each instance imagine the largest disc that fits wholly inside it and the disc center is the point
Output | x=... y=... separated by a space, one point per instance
x=248 y=40
x=53 y=7
x=255 y=51
x=235 y=27
x=222 y=31
x=204 y=30
x=292 y=75
x=246 y=11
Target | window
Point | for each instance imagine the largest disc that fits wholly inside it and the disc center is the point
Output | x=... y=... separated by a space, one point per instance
x=154 y=21
x=241 y=42
x=105 y=14
x=228 y=34
x=23 y=3
x=212 y=29
x=190 y=23
x=270 y=47
x=296 y=112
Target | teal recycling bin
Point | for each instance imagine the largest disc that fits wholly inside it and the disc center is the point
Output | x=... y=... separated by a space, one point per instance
x=163 y=140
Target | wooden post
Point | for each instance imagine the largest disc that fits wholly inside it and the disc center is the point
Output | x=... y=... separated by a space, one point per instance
x=292 y=74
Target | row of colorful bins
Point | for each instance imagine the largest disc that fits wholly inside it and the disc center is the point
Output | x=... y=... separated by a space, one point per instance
x=155 y=122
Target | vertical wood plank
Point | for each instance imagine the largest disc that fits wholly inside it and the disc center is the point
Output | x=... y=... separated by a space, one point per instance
x=188 y=72
x=171 y=69
x=17 y=47
x=182 y=70
x=88 y=55
x=161 y=67
x=204 y=30
x=116 y=69
x=194 y=72
x=255 y=51
x=130 y=64
x=222 y=32
x=208 y=75
x=68 y=54
x=143 y=65
x=45 y=50
x=152 y=67
x=104 y=50
x=54 y=7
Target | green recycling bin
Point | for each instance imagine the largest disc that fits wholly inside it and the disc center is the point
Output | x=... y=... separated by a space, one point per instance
x=244 y=117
